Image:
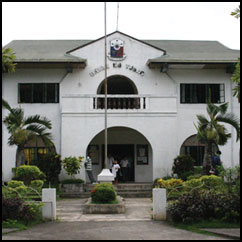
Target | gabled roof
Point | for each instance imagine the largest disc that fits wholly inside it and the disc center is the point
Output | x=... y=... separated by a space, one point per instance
x=176 y=51
x=146 y=43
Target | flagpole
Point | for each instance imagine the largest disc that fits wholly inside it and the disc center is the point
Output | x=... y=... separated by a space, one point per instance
x=105 y=88
x=105 y=175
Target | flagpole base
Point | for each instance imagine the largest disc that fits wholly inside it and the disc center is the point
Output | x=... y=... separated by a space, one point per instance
x=105 y=176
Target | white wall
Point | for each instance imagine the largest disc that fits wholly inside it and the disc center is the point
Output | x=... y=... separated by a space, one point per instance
x=165 y=124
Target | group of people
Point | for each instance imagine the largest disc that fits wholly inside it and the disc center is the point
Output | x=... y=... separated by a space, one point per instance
x=120 y=170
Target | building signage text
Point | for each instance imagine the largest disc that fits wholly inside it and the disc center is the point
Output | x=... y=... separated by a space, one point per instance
x=117 y=65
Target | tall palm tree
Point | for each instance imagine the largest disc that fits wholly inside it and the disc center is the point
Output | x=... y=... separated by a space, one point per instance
x=23 y=129
x=211 y=131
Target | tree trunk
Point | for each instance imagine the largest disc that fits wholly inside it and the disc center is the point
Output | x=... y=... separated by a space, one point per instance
x=20 y=157
x=207 y=158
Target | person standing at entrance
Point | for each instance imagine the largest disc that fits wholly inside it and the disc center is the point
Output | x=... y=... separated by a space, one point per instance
x=115 y=169
x=124 y=168
x=110 y=161
x=88 y=166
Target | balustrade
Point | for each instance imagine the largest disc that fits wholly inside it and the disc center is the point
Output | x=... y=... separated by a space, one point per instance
x=119 y=102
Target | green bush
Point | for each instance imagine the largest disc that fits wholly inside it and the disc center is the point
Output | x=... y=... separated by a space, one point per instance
x=183 y=166
x=72 y=165
x=14 y=184
x=103 y=193
x=211 y=181
x=28 y=173
x=31 y=212
x=37 y=185
x=72 y=181
x=205 y=205
x=50 y=165
x=15 y=192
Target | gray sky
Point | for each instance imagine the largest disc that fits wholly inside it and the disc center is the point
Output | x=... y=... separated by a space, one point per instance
x=141 y=20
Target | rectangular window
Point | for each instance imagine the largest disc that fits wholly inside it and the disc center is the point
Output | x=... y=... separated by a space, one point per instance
x=201 y=93
x=38 y=93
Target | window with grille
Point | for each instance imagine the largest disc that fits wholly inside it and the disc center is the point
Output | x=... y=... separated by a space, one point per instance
x=202 y=93
x=38 y=92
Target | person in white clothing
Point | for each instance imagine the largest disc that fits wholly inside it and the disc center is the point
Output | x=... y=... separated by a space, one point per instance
x=115 y=169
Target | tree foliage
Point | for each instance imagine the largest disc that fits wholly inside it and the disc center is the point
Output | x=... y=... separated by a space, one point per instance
x=8 y=57
x=210 y=131
x=24 y=129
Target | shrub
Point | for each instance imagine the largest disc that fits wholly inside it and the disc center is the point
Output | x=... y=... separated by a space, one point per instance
x=37 y=185
x=103 y=193
x=72 y=165
x=72 y=181
x=31 y=212
x=211 y=181
x=11 y=207
x=170 y=183
x=183 y=166
x=192 y=184
x=15 y=192
x=14 y=184
x=50 y=165
x=28 y=173
x=205 y=205
x=173 y=187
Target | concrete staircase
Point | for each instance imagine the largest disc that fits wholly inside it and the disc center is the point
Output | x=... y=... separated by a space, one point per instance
x=126 y=190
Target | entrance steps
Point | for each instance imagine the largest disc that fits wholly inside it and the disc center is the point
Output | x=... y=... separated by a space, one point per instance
x=125 y=190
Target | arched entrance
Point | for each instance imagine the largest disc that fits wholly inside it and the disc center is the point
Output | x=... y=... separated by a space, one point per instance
x=124 y=142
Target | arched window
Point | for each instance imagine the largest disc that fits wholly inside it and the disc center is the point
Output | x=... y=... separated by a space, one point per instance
x=191 y=146
x=34 y=148
x=123 y=89
x=118 y=85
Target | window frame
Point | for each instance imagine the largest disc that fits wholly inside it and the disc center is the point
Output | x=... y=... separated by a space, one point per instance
x=44 y=94
x=185 y=87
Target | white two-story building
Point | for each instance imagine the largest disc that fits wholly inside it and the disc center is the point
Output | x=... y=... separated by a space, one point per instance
x=155 y=90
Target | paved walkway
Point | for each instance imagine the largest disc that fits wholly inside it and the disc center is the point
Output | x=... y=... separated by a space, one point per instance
x=135 y=224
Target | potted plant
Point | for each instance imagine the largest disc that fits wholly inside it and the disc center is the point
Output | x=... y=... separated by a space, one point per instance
x=72 y=187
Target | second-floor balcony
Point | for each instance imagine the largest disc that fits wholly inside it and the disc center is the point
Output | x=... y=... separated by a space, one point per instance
x=78 y=103
x=120 y=102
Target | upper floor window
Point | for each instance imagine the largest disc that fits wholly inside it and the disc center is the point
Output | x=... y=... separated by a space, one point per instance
x=38 y=92
x=201 y=93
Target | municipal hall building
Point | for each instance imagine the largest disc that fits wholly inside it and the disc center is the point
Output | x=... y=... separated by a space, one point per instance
x=155 y=90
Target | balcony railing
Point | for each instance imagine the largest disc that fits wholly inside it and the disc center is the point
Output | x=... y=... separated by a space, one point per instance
x=119 y=102
x=88 y=103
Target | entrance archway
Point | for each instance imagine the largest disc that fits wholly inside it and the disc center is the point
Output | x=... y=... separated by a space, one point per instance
x=124 y=142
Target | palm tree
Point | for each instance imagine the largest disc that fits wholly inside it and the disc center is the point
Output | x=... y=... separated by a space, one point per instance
x=23 y=129
x=8 y=57
x=211 y=132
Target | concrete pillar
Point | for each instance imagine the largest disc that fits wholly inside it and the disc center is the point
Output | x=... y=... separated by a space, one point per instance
x=159 y=204
x=49 y=200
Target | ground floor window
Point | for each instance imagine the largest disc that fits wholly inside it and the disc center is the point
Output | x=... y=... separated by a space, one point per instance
x=196 y=152
x=191 y=146
x=34 y=149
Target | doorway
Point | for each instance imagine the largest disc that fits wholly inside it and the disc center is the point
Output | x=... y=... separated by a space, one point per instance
x=119 y=152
